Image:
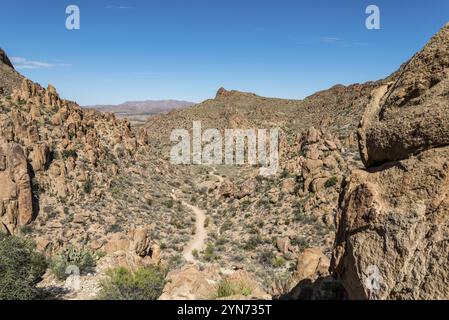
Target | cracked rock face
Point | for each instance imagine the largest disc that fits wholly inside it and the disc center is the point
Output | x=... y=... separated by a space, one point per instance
x=411 y=114
x=393 y=232
x=16 y=202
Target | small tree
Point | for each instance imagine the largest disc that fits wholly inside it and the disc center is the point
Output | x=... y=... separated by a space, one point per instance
x=21 y=268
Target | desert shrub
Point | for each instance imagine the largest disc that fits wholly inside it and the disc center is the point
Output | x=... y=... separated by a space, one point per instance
x=227 y=225
x=285 y=174
x=175 y=261
x=279 y=262
x=82 y=258
x=21 y=267
x=144 y=284
x=226 y=288
x=88 y=186
x=169 y=203
x=301 y=242
x=69 y=154
x=26 y=229
x=221 y=241
x=114 y=228
x=301 y=217
x=209 y=253
x=266 y=257
x=206 y=222
x=253 y=242
x=331 y=182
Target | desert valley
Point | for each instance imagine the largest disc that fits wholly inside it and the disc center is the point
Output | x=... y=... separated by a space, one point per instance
x=357 y=210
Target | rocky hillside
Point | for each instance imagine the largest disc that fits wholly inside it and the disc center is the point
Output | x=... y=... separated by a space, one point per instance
x=265 y=224
x=71 y=177
x=235 y=109
x=361 y=190
x=77 y=177
x=392 y=239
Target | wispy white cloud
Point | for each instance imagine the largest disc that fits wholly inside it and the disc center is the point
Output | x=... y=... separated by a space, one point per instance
x=329 y=40
x=23 y=63
x=115 y=7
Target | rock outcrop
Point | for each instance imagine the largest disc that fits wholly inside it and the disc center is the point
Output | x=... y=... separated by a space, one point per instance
x=321 y=168
x=190 y=283
x=57 y=164
x=312 y=278
x=16 y=203
x=411 y=114
x=9 y=78
x=4 y=59
x=393 y=230
x=133 y=250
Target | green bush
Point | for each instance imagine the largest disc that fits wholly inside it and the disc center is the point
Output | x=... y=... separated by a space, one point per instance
x=21 y=267
x=144 y=284
x=266 y=257
x=69 y=154
x=227 y=288
x=209 y=253
x=331 y=182
x=71 y=256
x=279 y=262
x=88 y=186
x=253 y=242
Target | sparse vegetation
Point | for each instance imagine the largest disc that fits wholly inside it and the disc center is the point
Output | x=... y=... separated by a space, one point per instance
x=209 y=253
x=69 y=154
x=226 y=288
x=331 y=182
x=88 y=186
x=122 y=284
x=279 y=262
x=253 y=242
x=21 y=267
x=80 y=258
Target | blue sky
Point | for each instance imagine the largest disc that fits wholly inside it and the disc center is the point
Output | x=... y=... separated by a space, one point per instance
x=187 y=49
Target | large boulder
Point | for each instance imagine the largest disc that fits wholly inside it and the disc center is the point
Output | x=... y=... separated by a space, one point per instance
x=312 y=264
x=133 y=250
x=191 y=283
x=411 y=114
x=312 y=278
x=393 y=230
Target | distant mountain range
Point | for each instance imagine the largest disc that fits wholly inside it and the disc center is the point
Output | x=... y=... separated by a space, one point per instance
x=137 y=111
